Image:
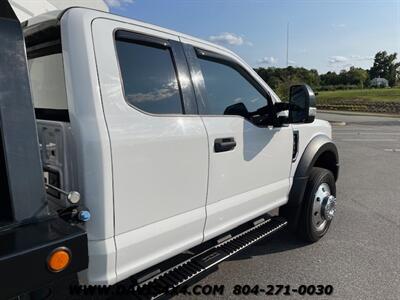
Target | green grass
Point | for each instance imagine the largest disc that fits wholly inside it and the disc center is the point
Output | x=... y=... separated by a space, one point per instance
x=359 y=95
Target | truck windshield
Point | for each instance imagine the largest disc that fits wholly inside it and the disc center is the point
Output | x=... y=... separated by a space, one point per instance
x=48 y=86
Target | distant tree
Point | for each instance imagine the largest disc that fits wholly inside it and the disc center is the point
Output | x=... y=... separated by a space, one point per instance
x=280 y=79
x=344 y=78
x=385 y=66
x=330 y=78
x=357 y=76
x=353 y=77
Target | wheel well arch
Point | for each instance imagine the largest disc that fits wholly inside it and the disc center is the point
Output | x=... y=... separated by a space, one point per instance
x=328 y=160
x=320 y=152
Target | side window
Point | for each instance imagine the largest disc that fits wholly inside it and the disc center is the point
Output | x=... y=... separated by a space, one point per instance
x=48 y=82
x=149 y=77
x=228 y=90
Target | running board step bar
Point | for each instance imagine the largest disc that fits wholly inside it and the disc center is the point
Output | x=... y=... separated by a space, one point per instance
x=184 y=272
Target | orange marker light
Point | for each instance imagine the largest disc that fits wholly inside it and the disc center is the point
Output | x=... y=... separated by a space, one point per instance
x=59 y=259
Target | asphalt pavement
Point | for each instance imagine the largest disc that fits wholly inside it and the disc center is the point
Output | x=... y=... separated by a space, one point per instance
x=360 y=255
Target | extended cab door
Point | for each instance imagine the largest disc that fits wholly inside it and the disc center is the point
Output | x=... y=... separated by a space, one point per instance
x=249 y=164
x=159 y=145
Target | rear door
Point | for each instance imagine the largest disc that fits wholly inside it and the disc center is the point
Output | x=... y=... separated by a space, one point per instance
x=159 y=145
x=249 y=164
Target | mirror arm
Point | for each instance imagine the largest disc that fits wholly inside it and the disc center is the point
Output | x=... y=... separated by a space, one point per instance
x=281 y=106
x=262 y=111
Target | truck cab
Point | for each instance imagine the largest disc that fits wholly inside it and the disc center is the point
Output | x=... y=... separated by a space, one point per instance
x=173 y=142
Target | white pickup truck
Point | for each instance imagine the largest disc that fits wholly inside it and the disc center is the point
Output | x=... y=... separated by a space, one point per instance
x=177 y=146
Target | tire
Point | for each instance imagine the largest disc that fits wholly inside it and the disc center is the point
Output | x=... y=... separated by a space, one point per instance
x=313 y=223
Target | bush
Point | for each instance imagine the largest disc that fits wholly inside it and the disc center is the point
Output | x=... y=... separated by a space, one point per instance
x=337 y=87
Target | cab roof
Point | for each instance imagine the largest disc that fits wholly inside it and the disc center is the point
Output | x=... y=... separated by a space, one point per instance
x=54 y=17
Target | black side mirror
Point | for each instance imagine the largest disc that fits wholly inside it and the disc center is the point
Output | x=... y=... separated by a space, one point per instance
x=302 y=104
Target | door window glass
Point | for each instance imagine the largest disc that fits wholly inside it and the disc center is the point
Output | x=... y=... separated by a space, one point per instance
x=149 y=78
x=227 y=90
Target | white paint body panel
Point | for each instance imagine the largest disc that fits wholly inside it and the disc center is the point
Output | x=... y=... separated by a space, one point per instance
x=93 y=152
x=27 y=9
x=160 y=168
x=153 y=184
x=254 y=177
x=307 y=133
x=249 y=180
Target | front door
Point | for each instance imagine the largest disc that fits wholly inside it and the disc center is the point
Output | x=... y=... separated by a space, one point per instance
x=249 y=164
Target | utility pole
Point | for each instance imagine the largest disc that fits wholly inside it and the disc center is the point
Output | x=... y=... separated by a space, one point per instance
x=287 y=45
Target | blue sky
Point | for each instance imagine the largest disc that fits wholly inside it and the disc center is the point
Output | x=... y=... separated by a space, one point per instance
x=324 y=35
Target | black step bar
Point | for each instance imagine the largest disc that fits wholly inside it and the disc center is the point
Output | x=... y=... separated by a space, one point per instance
x=165 y=283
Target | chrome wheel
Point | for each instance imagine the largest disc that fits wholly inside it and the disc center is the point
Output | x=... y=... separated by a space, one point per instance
x=324 y=207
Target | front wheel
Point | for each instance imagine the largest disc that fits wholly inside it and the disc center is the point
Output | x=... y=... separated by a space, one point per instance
x=319 y=205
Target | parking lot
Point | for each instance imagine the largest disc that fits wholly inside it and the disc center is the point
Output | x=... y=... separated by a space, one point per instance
x=360 y=256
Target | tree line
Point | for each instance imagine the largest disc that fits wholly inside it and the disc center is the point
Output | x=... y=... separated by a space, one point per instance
x=385 y=66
